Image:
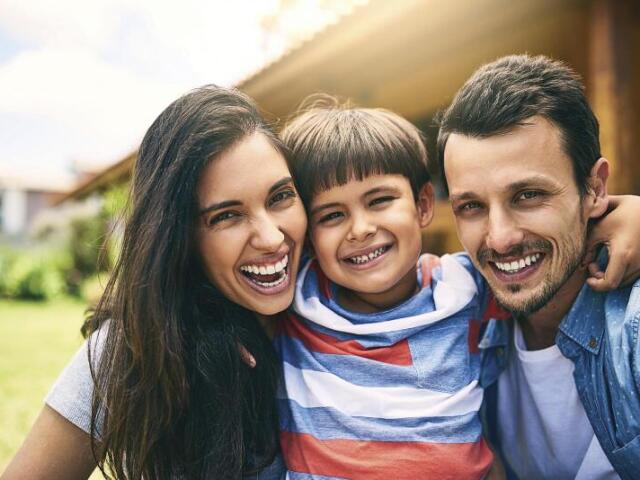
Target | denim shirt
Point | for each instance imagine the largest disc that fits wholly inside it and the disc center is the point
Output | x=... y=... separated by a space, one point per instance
x=600 y=335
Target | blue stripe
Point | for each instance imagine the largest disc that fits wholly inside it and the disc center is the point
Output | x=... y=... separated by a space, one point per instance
x=329 y=424
x=310 y=476
x=356 y=370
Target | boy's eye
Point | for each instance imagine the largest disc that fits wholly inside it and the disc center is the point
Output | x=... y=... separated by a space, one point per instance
x=329 y=217
x=222 y=217
x=381 y=200
x=282 y=196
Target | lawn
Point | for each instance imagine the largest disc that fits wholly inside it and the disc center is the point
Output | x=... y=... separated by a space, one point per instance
x=36 y=341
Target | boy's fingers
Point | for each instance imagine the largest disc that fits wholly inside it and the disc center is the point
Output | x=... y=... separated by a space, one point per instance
x=612 y=276
x=246 y=356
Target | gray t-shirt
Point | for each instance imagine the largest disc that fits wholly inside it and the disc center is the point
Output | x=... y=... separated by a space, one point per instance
x=71 y=396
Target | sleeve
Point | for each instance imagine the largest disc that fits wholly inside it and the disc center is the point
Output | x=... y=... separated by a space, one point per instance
x=72 y=393
x=481 y=284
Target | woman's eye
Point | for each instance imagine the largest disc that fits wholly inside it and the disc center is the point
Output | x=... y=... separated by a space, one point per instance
x=221 y=217
x=381 y=200
x=281 y=196
x=329 y=217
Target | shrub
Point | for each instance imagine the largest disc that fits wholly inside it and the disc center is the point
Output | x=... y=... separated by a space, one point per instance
x=33 y=277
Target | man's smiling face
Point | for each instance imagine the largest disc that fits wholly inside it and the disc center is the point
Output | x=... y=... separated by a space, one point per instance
x=518 y=210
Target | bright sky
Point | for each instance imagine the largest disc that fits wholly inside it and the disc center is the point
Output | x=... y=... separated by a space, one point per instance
x=80 y=80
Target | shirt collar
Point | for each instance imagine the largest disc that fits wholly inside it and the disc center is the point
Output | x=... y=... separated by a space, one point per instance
x=584 y=324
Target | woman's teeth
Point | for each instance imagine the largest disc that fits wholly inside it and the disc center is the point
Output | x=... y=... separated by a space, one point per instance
x=267 y=275
x=269 y=269
x=367 y=258
x=517 y=265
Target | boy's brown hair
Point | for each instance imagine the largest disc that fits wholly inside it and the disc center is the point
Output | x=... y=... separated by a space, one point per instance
x=331 y=144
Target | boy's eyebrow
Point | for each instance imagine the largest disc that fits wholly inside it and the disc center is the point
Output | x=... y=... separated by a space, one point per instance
x=323 y=206
x=233 y=203
x=381 y=189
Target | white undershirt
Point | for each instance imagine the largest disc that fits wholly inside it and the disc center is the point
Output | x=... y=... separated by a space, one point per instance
x=543 y=428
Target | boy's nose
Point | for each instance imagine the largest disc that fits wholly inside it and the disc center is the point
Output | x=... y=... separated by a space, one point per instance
x=361 y=229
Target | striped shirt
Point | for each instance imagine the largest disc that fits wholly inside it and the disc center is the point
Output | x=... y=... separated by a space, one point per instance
x=393 y=394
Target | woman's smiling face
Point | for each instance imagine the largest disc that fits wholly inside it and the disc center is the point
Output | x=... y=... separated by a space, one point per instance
x=251 y=225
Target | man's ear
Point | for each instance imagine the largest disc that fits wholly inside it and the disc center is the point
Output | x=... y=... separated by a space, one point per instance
x=597 y=196
x=425 y=204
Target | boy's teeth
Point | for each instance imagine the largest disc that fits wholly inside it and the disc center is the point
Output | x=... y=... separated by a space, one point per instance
x=517 y=265
x=367 y=258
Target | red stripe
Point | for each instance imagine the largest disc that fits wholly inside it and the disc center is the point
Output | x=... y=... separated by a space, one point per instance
x=427 y=263
x=494 y=310
x=358 y=459
x=397 y=354
x=474 y=336
x=323 y=282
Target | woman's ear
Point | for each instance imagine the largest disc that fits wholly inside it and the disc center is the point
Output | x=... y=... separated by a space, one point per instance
x=425 y=204
x=598 y=197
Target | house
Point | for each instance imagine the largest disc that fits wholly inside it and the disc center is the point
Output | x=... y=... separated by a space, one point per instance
x=23 y=196
x=411 y=56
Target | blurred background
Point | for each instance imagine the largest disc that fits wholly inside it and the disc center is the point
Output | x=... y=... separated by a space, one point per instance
x=81 y=81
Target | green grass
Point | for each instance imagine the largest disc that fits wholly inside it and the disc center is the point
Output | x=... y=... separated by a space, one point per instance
x=36 y=342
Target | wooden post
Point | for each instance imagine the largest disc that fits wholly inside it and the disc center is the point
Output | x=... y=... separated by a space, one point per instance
x=610 y=89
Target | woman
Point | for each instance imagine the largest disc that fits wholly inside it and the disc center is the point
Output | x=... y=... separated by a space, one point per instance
x=210 y=251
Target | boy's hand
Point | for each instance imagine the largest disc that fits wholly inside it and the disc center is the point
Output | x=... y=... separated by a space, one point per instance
x=619 y=230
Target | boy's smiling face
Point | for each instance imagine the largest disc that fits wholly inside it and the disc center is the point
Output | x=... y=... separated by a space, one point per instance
x=367 y=238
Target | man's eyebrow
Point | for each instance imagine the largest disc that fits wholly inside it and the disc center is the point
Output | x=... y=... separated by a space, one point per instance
x=234 y=203
x=529 y=182
x=533 y=181
x=461 y=196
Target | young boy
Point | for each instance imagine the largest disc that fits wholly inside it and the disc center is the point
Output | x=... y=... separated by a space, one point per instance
x=380 y=361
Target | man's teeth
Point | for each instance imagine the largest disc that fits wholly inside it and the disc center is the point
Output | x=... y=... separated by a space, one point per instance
x=269 y=269
x=367 y=258
x=517 y=265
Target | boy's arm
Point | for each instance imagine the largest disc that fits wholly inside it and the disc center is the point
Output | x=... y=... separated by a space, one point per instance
x=619 y=230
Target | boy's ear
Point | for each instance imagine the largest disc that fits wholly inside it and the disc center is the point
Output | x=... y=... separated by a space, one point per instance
x=597 y=195
x=425 y=204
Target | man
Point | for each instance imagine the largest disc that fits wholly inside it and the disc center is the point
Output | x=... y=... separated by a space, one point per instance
x=521 y=155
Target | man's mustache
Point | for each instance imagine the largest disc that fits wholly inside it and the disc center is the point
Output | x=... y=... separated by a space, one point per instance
x=486 y=254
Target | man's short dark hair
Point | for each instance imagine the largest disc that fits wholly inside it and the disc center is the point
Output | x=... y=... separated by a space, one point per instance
x=503 y=94
x=331 y=144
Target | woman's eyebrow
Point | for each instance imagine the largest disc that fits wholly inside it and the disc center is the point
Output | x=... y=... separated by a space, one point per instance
x=220 y=205
x=234 y=203
x=280 y=183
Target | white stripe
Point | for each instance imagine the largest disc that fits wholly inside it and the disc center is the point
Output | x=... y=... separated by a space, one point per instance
x=311 y=389
x=451 y=294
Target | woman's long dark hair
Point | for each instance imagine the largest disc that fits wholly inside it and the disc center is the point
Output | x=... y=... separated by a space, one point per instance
x=173 y=396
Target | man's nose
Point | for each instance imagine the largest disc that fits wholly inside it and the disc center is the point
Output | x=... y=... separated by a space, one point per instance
x=503 y=232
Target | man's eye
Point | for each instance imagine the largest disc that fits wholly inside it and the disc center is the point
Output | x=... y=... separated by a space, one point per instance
x=469 y=208
x=381 y=200
x=529 y=195
x=221 y=217
x=281 y=196
x=329 y=217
